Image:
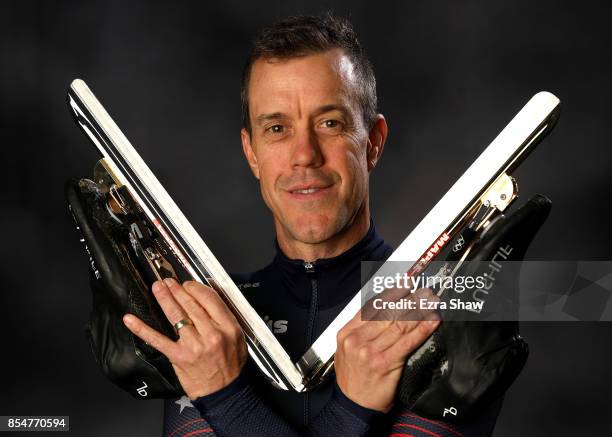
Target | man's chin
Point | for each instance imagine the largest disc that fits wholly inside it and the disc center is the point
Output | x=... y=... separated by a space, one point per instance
x=313 y=231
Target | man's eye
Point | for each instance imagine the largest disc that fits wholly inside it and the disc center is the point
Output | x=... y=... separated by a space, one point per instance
x=331 y=124
x=276 y=129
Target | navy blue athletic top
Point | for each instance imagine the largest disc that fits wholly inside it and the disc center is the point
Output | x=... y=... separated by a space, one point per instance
x=298 y=300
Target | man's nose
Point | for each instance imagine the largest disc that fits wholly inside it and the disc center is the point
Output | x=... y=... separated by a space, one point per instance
x=306 y=150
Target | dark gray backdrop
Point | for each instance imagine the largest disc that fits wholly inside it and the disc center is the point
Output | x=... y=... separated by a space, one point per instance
x=451 y=75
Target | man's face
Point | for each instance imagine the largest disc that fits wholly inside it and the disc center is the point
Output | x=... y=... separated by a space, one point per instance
x=308 y=146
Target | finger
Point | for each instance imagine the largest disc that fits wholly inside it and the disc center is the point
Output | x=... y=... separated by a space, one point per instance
x=171 y=308
x=425 y=302
x=211 y=302
x=371 y=308
x=410 y=341
x=193 y=309
x=396 y=293
x=365 y=329
x=392 y=334
x=373 y=323
x=372 y=329
x=393 y=304
x=389 y=324
x=150 y=336
x=402 y=321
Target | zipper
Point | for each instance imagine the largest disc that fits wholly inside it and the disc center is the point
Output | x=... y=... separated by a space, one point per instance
x=309 y=269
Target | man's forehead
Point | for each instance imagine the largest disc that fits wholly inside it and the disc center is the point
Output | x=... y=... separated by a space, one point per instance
x=327 y=77
x=333 y=61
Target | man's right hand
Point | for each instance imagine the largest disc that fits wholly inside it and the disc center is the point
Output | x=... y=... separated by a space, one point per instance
x=371 y=354
x=211 y=349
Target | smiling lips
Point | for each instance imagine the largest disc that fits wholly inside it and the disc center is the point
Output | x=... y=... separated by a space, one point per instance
x=308 y=191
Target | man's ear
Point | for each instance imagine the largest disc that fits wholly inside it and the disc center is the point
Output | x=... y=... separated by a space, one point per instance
x=248 y=152
x=376 y=141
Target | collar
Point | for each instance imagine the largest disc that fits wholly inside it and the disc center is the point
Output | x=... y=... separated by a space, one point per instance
x=338 y=277
x=368 y=244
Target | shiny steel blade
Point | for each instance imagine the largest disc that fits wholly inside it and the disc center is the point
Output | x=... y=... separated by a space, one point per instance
x=189 y=248
x=501 y=157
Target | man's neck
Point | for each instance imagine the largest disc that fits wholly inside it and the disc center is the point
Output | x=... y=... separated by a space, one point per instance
x=334 y=246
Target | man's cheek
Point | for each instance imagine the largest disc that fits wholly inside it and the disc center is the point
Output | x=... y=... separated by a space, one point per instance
x=356 y=171
x=266 y=190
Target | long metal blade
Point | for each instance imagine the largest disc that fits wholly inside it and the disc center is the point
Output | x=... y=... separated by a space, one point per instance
x=187 y=245
x=501 y=157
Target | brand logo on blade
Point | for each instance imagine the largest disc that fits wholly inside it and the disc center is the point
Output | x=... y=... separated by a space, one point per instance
x=434 y=249
x=459 y=243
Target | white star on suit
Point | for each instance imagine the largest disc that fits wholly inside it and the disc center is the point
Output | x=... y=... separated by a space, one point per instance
x=184 y=402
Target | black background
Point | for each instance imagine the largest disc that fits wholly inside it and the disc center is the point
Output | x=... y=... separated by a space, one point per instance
x=450 y=76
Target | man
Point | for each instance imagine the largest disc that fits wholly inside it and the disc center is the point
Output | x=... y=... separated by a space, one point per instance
x=311 y=135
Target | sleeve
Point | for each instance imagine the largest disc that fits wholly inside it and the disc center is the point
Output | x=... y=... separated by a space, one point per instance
x=407 y=423
x=238 y=410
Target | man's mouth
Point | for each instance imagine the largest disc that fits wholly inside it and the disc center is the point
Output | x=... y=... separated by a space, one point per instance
x=306 y=190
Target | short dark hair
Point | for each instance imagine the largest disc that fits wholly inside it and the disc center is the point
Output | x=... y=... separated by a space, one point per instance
x=304 y=35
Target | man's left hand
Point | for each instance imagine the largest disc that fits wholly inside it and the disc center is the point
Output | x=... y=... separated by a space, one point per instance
x=371 y=354
x=210 y=351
